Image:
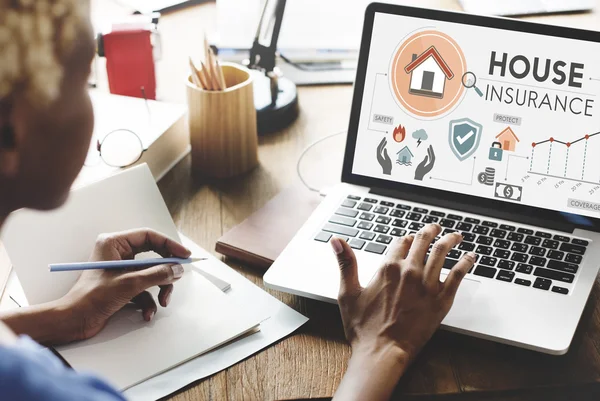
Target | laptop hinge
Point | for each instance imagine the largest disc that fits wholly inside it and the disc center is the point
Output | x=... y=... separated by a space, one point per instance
x=471 y=208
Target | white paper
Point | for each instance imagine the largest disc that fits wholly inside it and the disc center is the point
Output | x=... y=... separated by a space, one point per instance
x=283 y=321
x=131 y=199
x=129 y=350
x=33 y=239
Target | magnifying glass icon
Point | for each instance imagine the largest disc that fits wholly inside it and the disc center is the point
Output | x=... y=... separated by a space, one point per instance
x=469 y=80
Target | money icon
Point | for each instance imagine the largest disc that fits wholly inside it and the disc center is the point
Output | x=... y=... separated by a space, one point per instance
x=507 y=191
x=487 y=177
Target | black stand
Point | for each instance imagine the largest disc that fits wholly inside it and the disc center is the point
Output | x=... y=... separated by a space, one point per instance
x=275 y=97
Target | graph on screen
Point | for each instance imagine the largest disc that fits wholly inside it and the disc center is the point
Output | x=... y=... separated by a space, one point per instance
x=574 y=161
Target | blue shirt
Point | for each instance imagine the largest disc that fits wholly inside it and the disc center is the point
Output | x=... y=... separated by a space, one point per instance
x=29 y=372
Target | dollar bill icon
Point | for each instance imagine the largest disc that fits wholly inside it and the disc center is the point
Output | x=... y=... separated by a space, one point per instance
x=508 y=191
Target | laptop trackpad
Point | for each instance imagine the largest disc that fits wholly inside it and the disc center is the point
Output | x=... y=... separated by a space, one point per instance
x=462 y=310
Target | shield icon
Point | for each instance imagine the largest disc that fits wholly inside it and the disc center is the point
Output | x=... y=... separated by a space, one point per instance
x=464 y=137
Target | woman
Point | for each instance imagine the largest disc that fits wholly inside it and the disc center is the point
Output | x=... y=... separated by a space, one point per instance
x=46 y=125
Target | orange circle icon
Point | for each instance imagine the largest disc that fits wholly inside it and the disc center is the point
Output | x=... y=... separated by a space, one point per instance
x=427 y=73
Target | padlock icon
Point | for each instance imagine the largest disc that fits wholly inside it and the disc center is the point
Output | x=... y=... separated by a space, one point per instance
x=496 y=152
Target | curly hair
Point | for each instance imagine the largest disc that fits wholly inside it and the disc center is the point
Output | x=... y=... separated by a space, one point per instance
x=36 y=36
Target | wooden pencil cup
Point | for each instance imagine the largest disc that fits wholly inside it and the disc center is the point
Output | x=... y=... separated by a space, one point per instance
x=223 y=131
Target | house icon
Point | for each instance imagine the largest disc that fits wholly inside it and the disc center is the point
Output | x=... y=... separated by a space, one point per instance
x=405 y=156
x=428 y=72
x=508 y=139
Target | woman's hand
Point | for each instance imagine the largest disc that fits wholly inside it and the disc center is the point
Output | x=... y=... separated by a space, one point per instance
x=388 y=322
x=7 y=337
x=98 y=294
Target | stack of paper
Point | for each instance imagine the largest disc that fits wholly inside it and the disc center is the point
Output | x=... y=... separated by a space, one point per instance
x=130 y=351
x=199 y=318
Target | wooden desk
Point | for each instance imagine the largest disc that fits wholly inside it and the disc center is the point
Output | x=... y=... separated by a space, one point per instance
x=311 y=363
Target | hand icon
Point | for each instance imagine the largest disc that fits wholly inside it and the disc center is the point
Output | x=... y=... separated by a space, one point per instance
x=426 y=165
x=383 y=158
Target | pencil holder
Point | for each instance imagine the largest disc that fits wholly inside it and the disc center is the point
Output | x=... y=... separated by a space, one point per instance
x=223 y=130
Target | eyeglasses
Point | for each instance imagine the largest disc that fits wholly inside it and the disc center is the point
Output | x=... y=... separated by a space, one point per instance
x=119 y=148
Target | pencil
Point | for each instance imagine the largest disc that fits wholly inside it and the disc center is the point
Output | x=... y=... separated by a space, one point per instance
x=121 y=264
x=195 y=77
x=206 y=75
x=213 y=70
x=198 y=76
x=221 y=76
x=207 y=68
x=202 y=79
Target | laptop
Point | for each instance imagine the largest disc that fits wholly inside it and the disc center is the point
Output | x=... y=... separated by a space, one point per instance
x=525 y=7
x=486 y=126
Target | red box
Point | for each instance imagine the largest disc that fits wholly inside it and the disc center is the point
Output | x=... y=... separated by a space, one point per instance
x=130 y=62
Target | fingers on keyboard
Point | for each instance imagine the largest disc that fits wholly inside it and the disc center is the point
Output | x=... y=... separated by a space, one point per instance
x=506 y=253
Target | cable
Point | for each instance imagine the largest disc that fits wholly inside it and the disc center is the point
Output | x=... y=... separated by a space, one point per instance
x=309 y=147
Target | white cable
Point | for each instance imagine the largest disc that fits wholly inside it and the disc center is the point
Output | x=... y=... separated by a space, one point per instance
x=309 y=147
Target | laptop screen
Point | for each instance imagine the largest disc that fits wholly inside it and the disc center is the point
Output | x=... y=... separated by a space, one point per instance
x=493 y=113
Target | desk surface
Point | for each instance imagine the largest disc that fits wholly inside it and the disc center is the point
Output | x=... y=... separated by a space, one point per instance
x=310 y=363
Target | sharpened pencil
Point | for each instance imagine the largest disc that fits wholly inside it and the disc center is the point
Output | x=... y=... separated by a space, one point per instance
x=121 y=264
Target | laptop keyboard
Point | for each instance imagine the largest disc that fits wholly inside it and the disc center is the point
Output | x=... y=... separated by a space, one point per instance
x=509 y=253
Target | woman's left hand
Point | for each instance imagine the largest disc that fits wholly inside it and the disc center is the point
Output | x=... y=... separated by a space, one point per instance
x=98 y=294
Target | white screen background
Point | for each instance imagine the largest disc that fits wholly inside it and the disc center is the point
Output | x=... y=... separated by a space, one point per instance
x=541 y=190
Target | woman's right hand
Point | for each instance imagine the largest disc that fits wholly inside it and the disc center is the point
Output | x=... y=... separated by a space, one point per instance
x=388 y=322
x=98 y=294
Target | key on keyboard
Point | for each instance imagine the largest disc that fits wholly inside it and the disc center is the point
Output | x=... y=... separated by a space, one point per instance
x=367 y=216
x=505 y=252
x=356 y=243
x=363 y=225
x=345 y=221
x=367 y=235
x=414 y=216
x=337 y=229
x=346 y=212
x=397 y=213
x=447 y=223
x=349 y=203
x=383 y=220
x=365 y=206
x=505 y=275
x=379 y=228
x=375 y=248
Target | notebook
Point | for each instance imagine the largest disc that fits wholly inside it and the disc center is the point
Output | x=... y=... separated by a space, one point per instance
x=260 y=238
x=128 y=351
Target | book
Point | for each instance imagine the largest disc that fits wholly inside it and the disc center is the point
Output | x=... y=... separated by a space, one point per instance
x=162 y=127
x=260 y=238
